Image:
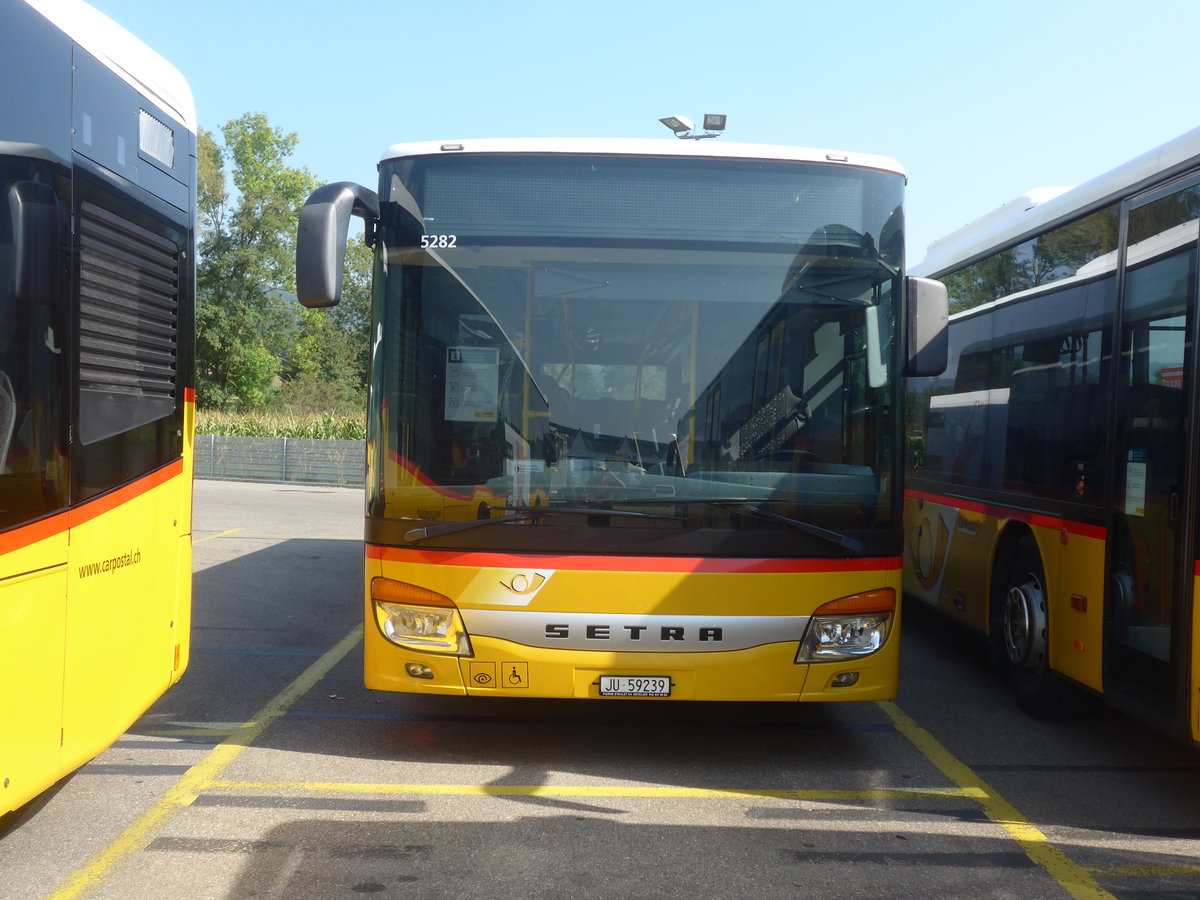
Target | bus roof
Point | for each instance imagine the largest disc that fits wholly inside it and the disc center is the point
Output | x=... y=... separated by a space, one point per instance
x=124 y=54
x=1039 y=210
x=646 y=147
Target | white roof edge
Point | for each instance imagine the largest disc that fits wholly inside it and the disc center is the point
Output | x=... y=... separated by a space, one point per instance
x=1029 y=212
x=126 y=55
x=647 y=147
x=1015 y=210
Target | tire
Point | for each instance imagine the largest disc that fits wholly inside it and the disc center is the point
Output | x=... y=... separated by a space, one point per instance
x=1025 y=640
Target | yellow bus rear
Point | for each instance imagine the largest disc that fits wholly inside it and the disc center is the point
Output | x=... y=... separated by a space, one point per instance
x=97 y=162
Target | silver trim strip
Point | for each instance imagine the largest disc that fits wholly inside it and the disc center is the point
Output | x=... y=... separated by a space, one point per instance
x=633 y=633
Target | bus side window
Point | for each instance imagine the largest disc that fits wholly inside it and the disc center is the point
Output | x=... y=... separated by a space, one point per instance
x=31 y=462
x=8 y=328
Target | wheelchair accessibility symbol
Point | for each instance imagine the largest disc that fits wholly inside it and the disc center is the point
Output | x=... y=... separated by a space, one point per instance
x=514 y=675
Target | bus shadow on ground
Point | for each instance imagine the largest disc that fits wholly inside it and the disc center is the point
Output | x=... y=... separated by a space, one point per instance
x=259 y=619
x=588 y=856
x=262 y=618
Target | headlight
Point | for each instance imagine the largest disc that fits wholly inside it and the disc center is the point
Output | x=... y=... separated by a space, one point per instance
x=419 y=619
x=849 y=628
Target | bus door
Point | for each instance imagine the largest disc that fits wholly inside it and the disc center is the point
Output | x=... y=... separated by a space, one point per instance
x=1150 y=559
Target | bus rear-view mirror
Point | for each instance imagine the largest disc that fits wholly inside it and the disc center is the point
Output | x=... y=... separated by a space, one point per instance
x=321 y=239
x=928 y=312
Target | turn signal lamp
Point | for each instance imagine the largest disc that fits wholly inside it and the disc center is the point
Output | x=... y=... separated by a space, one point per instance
x=849 y=628
x=417 y=618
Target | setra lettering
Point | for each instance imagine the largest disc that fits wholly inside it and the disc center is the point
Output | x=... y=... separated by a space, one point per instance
x=709 y=634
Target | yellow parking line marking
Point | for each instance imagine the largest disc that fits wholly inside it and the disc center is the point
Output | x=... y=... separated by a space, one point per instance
x=612 y=791
x=213 y=537
x=200 y=777
x=1072 y=877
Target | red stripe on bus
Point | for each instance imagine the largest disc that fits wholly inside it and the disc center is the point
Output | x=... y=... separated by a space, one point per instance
x=666 y=564
x=110 y=501
x=58 y=523
x=41 y=530
x=1082 y=529
x=189 y=395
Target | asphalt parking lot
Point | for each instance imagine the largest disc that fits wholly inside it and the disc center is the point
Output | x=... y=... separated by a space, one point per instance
x=269 y=771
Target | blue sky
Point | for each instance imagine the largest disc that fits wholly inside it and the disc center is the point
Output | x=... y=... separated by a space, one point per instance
x=979 y=101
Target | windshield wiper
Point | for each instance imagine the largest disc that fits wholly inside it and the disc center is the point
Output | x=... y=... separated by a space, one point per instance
x=420 y=534
x=587 y=510
x=525 y=514
x=747 y=505
x=844 y=541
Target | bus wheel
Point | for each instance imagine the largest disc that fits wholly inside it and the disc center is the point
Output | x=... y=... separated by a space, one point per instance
x=1025 y=637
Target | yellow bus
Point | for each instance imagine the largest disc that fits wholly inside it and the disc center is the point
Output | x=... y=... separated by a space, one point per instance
x=1053 y=502
x=97 y=163
x=634 y=417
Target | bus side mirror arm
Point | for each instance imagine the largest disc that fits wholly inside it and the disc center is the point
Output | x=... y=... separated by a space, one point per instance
x=321 y=239
x=33 y=211
x=928 y=311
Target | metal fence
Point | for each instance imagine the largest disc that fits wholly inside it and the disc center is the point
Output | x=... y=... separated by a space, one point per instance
x=281 y=459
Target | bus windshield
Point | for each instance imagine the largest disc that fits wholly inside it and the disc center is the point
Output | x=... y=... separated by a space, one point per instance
x=637 y=354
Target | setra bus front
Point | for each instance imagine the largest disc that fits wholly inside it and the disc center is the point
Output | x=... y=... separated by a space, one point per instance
x=634 y=418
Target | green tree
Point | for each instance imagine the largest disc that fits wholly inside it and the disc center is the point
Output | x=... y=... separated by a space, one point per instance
x=326 y=368
x=245 y=320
